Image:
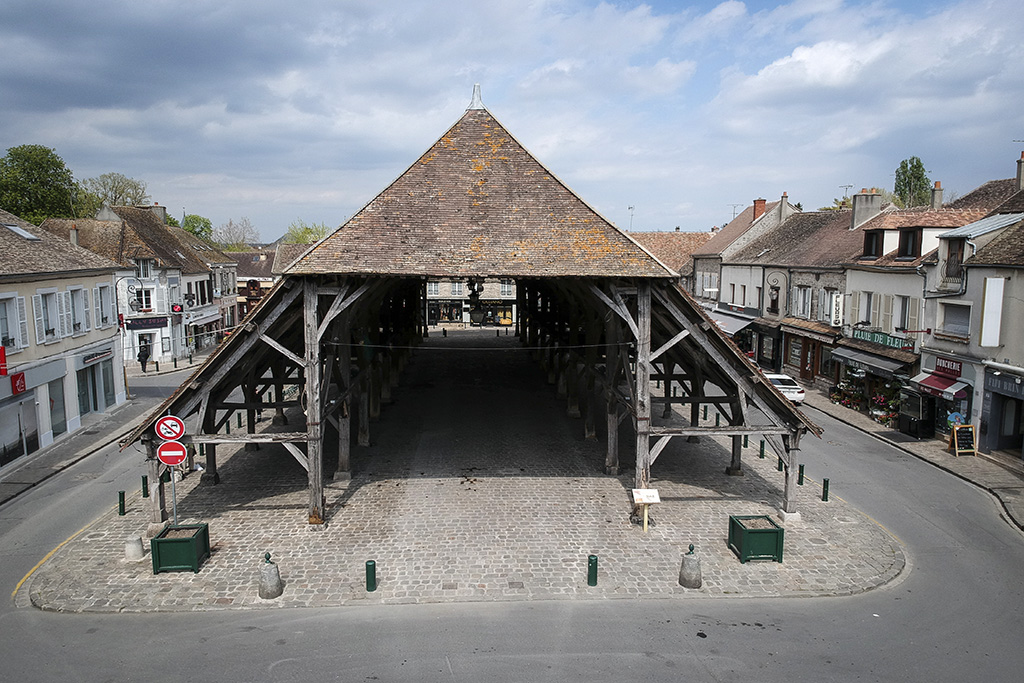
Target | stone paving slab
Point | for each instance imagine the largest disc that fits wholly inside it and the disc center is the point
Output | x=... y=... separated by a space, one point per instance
x=476 y=488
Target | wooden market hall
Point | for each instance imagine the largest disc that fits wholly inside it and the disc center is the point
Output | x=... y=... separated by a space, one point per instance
x=602 y=315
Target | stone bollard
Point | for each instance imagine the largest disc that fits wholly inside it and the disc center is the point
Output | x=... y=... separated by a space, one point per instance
x=133 y=550
x=689 y=572
x=271 y=585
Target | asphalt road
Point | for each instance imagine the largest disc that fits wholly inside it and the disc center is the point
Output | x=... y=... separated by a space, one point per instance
x=956 y=615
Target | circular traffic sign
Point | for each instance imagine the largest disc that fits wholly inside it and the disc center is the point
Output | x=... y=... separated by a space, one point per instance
x=171 y=453
x=170 y=428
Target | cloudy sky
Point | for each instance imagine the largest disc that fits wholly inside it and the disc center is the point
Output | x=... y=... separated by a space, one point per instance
x=277 y=111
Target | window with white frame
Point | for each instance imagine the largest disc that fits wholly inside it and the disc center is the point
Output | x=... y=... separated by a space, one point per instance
x=79 y=310
x=13 y=322
x=145 y=298
x=433 y=289
x=49 y=316
x=144 y=268
x=801 y=301
x=103 y=304
x=827 y=306
x=506 y=288
x=956 y=319
x=456 y=289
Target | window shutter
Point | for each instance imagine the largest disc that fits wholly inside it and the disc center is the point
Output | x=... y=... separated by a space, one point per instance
x=37 y=308
x=875 y=312
x=64 y=308
x=22 y=323
x=97 y=313
x=854 y=308
x=887 y=312
x=161 y=300
x=85 y=309
x=914 y=314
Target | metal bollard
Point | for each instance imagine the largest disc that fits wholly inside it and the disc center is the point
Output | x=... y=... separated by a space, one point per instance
x=824 y=490
x=157 y=364
x=202 y=451
x=800 y=477
x=718 y=419
x=761 y=453
x=227 y=427
x=145 y=486
x=592 y=570
x=120 y=503
x=745 y=440
x=371 y=576
x=175 y=360
x=239 y=415
x=779 y=468
x=705 y=413
x=497 y=333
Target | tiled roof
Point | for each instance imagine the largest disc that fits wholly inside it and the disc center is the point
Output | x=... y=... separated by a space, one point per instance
x=253 y=264
x=477 y=204
x=110 y=239
x=1013 y=204
x=286 y=255
x=1005 y=250
x=675 y=248
x=922 y=217
x=148 y=233
x=810 y=239
x=48 y=254
x=200 y=248
x=987 y=196
x=731 y=231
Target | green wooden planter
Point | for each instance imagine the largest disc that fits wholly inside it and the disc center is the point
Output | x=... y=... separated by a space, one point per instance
x=755 y=537
x=180 y=548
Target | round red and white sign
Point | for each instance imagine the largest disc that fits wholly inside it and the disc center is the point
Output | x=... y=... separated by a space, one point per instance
x=170 y=428
x=171 y=453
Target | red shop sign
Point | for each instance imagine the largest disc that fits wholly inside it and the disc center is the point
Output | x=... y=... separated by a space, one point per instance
x=18 y=383
x=948 y=366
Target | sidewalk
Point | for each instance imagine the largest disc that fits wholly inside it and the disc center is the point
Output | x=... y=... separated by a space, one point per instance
x=97 y=432
x=1005 y=484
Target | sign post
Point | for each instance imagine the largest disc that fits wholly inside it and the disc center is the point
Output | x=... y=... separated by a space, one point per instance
x=646 y=497
x=171 y=452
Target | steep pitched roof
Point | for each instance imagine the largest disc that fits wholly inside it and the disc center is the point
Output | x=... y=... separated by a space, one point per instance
x=987 y=196
x=200 y=248
x=924 y=217
x=731 y=231
x=478 y=204
x=285 y=255
x=41 y=253
x=674 y=249
x=253 y=264
x=110 y=239
x=811 y=239
x=157 y=237
x=1005 y=250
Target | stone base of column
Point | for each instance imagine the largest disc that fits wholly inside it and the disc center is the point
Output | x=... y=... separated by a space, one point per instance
x=734 y=471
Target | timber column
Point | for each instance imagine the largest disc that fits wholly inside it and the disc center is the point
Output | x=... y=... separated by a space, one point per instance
x=642 y=400
x=314 y=410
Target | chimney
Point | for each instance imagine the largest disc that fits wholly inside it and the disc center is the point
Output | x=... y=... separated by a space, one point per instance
x=866 y=205
x=677 y=228
x=759 y=205
x=1020 y=172
x=159 y=211
x=714 y=228
x=73 y=234
x=785 y=209
x=937 y=195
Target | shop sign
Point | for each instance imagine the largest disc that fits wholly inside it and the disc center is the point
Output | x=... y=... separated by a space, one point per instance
x=18 y=385
x=92 y=358
x=145 y=323
x=1007 y=385
x=837 y=310
x=883 y=339
x=948 y=367
x=3 y=361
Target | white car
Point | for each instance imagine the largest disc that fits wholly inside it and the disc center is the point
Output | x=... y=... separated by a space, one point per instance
x=788 y=386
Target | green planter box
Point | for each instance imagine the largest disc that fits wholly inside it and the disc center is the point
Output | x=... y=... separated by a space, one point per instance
x=755 y=537
x=180 y=548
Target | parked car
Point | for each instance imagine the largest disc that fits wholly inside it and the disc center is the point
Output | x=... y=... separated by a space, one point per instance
x=788 y=386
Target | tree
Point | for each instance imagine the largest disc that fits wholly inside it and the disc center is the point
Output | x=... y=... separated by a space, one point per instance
x=35 y=184
x=912 y=187
x=838 y=204
x=199 y=226
x=301 y=233
x=236 y=236
x=115 y=189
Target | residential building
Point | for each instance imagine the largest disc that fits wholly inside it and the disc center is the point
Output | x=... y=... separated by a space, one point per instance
x=675 y=249
x=255 y=277
x=471 y=302
x=61 y=348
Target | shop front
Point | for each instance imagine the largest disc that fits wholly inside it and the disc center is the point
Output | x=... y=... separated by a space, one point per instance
x=766 y=340
x=735 y=321
x=809 y=349
x=951 y=404
x=444 y=311
x=871 y=378
x=1002 y=424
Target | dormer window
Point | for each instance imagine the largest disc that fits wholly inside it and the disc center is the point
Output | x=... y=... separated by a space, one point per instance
x=144 y=268
x=872 y=244
x=910 y=244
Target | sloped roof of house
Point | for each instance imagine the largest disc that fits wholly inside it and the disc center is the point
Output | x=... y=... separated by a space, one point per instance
x=731 y=231
x=1005 y=250
x=924 y=217
x=41 y=253
x=675 y=248
x=110 y=239
x=987 y=196
x=478 y=204
x=200 y=248
x=810 y=239
x=256 y=265
x=285 y=256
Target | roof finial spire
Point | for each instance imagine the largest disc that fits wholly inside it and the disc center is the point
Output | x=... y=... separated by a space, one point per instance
x=477 y=102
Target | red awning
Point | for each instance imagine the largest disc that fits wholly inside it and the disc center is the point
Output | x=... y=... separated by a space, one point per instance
x=940 y=385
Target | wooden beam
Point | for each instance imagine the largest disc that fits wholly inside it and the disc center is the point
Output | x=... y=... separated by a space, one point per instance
x=670 y=343
x=258 y=437
x=300 y=456
x=314 y=411
x=642 y=388
x=272 y=343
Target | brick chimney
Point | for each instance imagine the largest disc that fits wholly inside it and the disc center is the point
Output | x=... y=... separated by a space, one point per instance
x=759 y=205
x=1020 y=172
x=937 y=195
x=866 y=205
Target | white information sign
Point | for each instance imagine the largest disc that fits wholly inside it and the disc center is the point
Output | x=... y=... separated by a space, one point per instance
x=646 y=496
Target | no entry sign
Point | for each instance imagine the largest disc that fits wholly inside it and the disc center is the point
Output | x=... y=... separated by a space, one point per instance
x=170 y=428
x=171 y=453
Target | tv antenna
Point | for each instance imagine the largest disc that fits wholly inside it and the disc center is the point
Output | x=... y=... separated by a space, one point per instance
x=734 y=206
x=631 y=216
x=846 y=190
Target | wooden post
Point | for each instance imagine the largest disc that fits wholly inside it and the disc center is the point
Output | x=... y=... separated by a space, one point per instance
x=277 y=369
x=792 y=444
x=314 y=409
x=210 y=475
x=344 y=471
x=611 y=355
x=642 y=400
x=593 y=336
x=251 y=397
x=669 y=366
x=735 y=468
x=157 y=501
x=696 y=389
x=572 y=374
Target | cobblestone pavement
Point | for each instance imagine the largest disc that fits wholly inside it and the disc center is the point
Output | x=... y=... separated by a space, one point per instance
x=476 y=487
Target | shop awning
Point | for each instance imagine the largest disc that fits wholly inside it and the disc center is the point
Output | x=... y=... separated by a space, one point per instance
x=209 y=318
x=948 y=388
x=730 y=324
x=879 y=365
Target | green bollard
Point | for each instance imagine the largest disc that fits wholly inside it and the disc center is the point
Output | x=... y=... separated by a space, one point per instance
x=761 y=453
x=157 y=364
x=120 y=503
x=745 y=440
x=718 y=419
x=145 y=486
x=202 y=451
x=166 y=476
x=175 y=359
x=705 y=413
x=592 y=570
x=227 y=427
x=371 y=576
x=239 y=416
x=800 y=477
x=824 y=490
x=780 y=465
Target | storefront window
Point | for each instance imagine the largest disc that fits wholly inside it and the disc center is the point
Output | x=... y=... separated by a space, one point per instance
x=107 y=370
x=58 y=418
x=795 y=346
x=767 y=349
x=826 y=366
